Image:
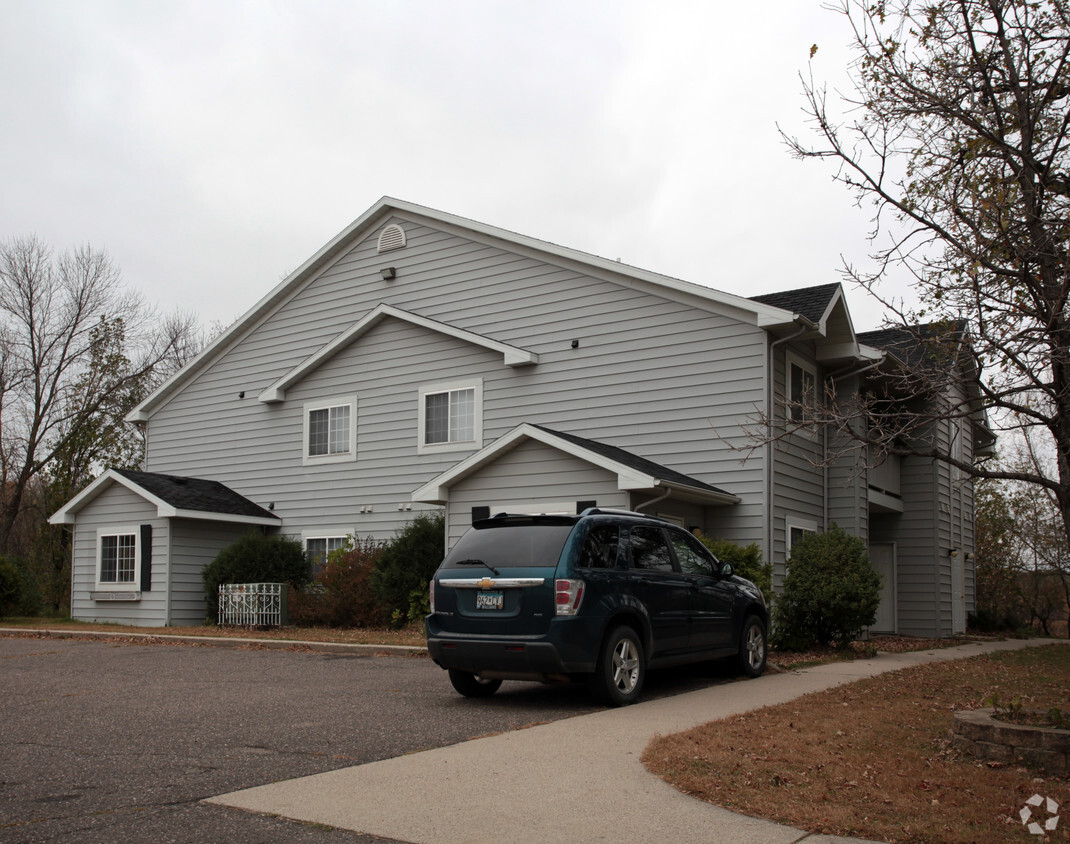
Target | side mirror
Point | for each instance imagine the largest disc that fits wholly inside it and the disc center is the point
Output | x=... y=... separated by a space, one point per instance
x=726 y=570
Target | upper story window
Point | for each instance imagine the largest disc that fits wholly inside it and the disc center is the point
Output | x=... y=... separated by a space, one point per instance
x=330 y=431
x=451 y=416
x=802 y=389
x=118 y=552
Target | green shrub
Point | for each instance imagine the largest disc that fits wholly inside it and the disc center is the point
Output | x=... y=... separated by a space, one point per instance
x=10 y=587
x=255 y=558
x=989 y=620
x=342 y=596
x=830 y=594
x=746 y=560
x=407 y=564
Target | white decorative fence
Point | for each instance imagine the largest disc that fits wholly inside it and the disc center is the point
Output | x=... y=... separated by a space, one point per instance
x=253 y=604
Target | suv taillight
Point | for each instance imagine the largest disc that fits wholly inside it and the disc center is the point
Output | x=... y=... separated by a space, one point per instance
x=431 y=588
x=567 y=596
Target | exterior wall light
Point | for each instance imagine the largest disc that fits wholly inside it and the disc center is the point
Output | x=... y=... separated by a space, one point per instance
x=388 y=273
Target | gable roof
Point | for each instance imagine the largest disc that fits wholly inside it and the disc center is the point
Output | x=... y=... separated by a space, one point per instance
x=914 y=344
x=173 y=497
x=512 y=355
x=813 y=303
x=764 y=315
x=634 y=473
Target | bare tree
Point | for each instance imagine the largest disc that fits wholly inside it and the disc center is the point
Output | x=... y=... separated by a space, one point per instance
x=77 y=350
x=956 y=133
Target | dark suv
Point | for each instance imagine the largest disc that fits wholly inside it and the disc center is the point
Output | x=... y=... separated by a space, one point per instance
x=599 y=596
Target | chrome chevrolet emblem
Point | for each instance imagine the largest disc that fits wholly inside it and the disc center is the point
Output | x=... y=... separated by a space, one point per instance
x=485 y=583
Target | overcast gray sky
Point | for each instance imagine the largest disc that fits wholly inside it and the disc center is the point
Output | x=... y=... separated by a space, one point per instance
x=211 y=147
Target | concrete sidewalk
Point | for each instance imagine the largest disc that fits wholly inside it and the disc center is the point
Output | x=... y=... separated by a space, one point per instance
x=574 y=780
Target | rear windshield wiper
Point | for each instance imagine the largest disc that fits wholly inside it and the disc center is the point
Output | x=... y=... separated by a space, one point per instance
x=474 y=562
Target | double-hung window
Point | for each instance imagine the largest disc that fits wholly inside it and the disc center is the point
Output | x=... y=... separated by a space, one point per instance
x=451 y=416
x=330 y=431
x=319 y=548
x=118 y=555
x=802 y=389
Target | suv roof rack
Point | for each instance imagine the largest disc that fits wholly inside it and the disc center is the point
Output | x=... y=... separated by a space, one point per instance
x=611 y=511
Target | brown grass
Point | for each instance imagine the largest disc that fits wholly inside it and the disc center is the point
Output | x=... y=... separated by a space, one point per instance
x=412 y=635
x=873 y=760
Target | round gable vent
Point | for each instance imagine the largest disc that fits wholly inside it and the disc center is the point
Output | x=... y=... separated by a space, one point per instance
x=392 y=237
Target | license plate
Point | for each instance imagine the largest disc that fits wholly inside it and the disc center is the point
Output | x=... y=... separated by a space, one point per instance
x=489 y=600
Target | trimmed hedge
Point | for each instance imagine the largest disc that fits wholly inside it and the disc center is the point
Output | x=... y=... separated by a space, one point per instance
x=255 y=558
x=401 y=575
x=831 y=592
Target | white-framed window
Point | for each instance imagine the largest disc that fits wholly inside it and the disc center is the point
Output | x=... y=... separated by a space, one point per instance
x=801 y=389
x=330 y=431
x=318 y=548
x=451 y=416
x=119 y=559
x=794 y=530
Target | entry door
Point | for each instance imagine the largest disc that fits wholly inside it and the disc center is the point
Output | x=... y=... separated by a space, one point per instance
x=882 y=555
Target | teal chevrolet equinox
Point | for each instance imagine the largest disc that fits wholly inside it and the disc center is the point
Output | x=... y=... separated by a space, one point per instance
x=600 y=597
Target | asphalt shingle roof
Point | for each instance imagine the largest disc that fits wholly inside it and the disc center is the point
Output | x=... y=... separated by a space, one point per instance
x=641 y=464
x=196 y=494
x=810 y=302
x=913 y=345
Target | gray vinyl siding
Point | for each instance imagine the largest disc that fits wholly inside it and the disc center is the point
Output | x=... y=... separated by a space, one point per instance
x=918 y=550
x=799 y=481
x=195 y=543
x=117 y=507
x=652 y=374
x=848 y=489
x=531 y=473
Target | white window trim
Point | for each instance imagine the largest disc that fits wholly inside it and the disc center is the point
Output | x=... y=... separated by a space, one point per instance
x=343 y=457
x=119 y=530
x=324 y=533
x=794 y=522
x=791 y=358
x=476 y=442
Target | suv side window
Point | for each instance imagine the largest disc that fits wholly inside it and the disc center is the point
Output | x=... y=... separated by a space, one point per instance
x=600 y=547
x=649 y=550
x=691 y=554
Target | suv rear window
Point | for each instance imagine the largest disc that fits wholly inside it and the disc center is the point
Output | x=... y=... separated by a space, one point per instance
x=510 y=546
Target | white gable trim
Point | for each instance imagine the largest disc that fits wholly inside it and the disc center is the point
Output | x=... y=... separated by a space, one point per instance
x=511 y=355
x=67 y=514
x=437 y=491
x=765 y=316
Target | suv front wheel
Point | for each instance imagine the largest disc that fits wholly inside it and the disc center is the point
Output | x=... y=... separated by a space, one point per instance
x=618 y=679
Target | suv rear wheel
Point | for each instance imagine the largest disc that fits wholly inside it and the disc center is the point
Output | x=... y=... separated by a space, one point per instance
x=618 y=679
x=470 y=685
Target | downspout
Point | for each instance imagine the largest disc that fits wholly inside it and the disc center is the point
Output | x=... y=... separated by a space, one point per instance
x=770 y=450
x=638 y=508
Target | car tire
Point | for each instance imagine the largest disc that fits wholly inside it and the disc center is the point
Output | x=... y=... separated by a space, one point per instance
x=621 y=668
x=752 y=647
x=470 y=685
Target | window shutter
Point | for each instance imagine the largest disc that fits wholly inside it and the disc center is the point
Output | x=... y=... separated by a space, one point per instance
x=585 y=505
x=146 y=558
x=480 y=513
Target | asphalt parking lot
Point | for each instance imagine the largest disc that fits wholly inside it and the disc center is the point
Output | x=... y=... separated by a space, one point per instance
x=108 y=741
